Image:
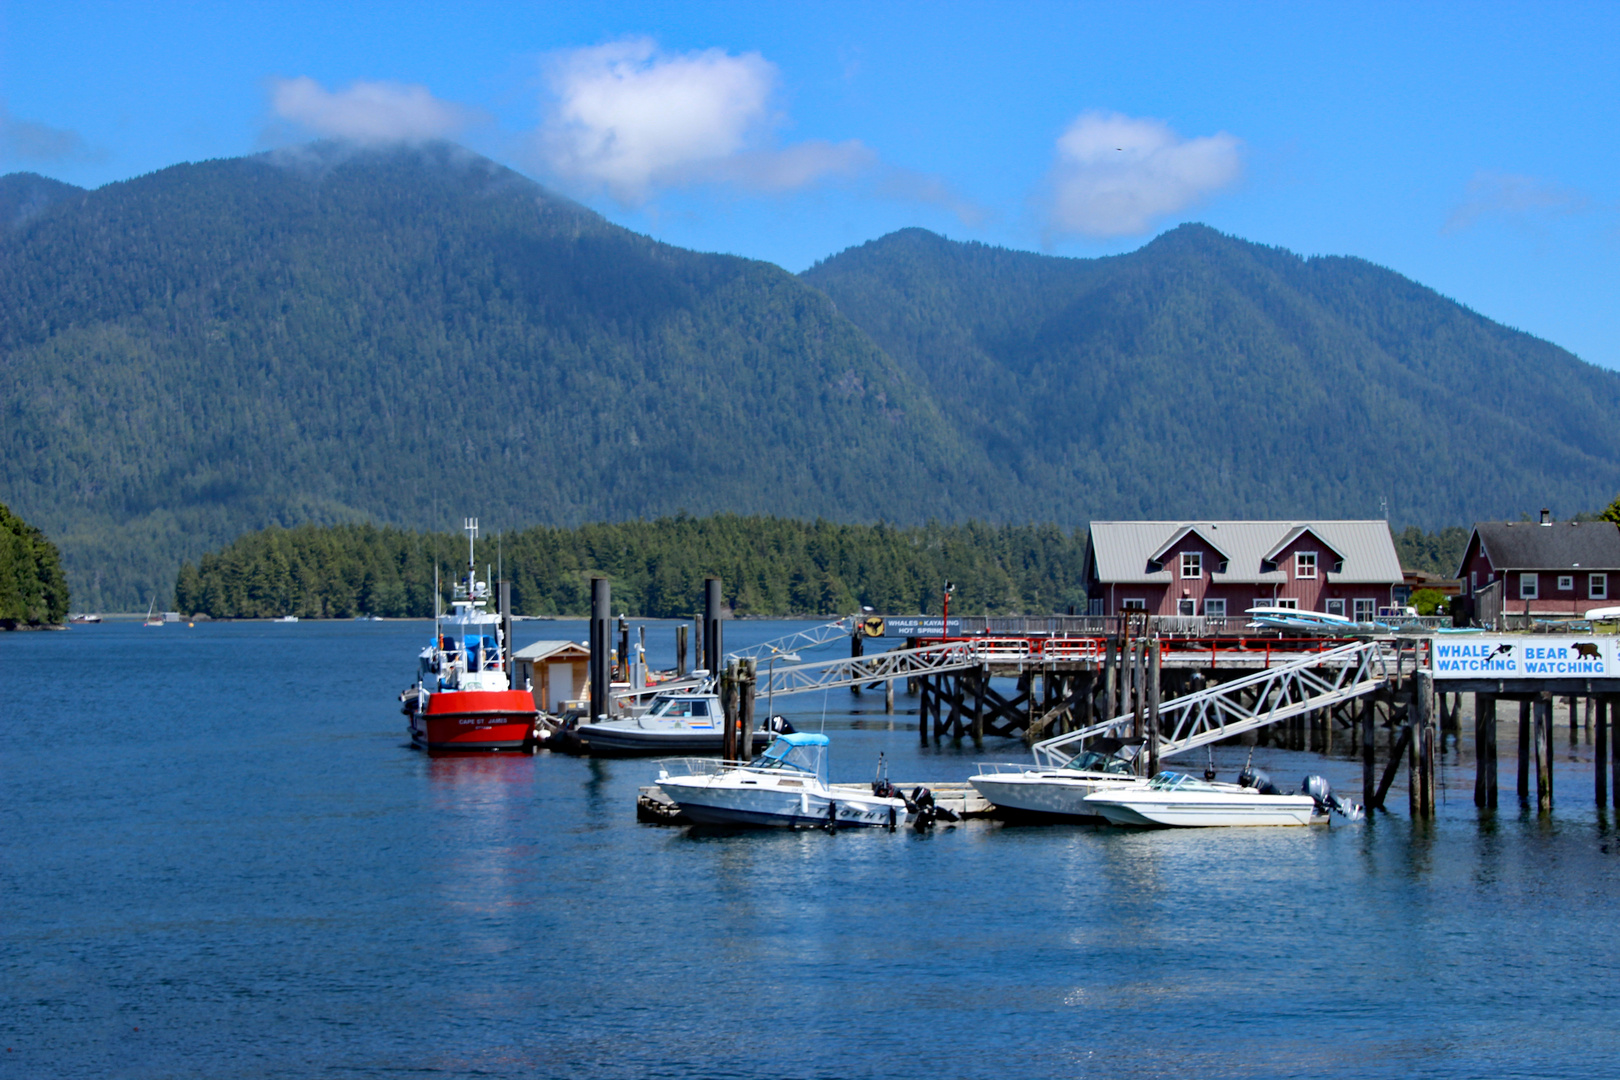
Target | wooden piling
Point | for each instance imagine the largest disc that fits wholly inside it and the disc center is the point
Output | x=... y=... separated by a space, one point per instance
x=1614 y=751
x=1485 y=751
x=1424 y=706
x=981 y=677
x=1369 y=723
x=857 y=649
x=1600 y=753
x=1524 y=750
x=888 y=697
x=745 y=709
x=1155 y=672
x=728 y=708
x=680 y=650
x=600 y=644
x=1542 y=722
x=1109 y=701
x=1574 y=722
x=712 y=606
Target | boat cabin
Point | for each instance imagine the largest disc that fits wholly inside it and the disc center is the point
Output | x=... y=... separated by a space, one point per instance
x=802 y=751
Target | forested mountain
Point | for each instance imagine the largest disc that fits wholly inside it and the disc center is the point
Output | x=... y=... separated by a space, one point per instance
x=33 y=589
x=1205 y=376
x=24 y=195
x=406 y=336
x=768 y=566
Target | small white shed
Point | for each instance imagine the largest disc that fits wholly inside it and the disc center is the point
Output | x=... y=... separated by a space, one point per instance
x=558 y=671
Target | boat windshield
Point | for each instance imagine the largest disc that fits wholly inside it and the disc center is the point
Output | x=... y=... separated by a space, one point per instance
x=1093 y=762
x=783 y=754
x=668 y=706
x=1175 y=781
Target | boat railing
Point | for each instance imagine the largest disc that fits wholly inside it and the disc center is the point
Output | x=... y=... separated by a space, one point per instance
x=1003 y=768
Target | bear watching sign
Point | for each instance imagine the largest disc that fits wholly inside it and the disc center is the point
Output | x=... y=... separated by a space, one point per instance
x=1524 y=657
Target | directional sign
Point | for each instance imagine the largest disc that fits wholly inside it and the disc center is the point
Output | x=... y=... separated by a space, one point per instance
x=903 y=626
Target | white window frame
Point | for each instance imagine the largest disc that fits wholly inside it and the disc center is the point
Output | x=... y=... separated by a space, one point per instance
x=1334 y=606
x=1186 y=607
x=1301 y=560
x=1290 y=602
x=1133 y=604
x=1566 y=582
x=1363 y=609
x=1192 y=565
x=1220 y=608
x=1529 y=586
x=1597 y=586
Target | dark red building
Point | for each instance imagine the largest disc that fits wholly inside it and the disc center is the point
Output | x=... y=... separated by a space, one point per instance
x=1544 y=567
x=1223 y=568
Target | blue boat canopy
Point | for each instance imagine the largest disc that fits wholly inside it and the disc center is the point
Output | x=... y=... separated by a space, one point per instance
x=804 y=738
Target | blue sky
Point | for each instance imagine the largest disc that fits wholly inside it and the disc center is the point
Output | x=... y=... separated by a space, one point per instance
x=1471 y=147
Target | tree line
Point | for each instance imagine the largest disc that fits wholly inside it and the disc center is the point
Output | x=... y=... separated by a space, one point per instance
x=33 y=589
x=768 y=566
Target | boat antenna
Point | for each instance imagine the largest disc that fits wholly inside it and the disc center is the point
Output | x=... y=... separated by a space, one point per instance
x=471 y=525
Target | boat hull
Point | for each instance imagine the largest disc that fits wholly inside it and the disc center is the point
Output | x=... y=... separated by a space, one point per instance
x=606 y=740
x=1202 y=809
x=474 y=720
x=1043 y=794
x=717 y=803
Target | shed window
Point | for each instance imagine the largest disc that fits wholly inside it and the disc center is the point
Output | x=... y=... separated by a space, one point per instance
x=1566 y=582
x=1192 y=564
x=1363 y=610
x=1527 y=587
x=1215 y=609
x=1135 y=605
x=1186 y=606
x=1335 y=607
x=1597 y=586
x=1304 y=564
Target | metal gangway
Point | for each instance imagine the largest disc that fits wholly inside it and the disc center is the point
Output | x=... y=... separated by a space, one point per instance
x=787 y=648
x=1317 y=681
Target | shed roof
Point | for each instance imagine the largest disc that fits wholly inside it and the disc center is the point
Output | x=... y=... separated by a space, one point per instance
x=542 y=650
x=1123 y=551
x=1562 y=545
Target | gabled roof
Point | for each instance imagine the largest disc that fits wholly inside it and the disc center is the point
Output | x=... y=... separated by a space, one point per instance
x=1158 y=556
x=1121 y=551
x=542 y=650
x=1294 y=534
x=1562 y=545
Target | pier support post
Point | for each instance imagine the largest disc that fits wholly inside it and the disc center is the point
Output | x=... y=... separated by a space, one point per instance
x=1485 y=751
x=728 y=708
x=1108 y=699
x=980 y=677
x=1614 y=751
x=1543 y=738
x=1600 y=752
x=857 y=649
x=601 y=617
x=745 y=710
x=925 y=694
x=680 y=650
x=1155 y=671
x=711 y=625
x=1369 y=761
x=1425 y=700
x=1524 y=750
x=888 y=697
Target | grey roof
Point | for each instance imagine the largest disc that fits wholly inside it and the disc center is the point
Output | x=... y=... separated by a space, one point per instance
x=1563 y=545
x=542 y=649
x=1122 y=550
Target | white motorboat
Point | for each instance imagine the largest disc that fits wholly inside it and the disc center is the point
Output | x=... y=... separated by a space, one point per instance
x=786 y=787
x=679 y=722
x=1173 y=798
x=1057 y=791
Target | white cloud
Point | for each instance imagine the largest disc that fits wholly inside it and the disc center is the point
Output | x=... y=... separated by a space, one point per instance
x=1517 y=197
x=630 y=119
x=26 y=140
x=1116 y=175
x=368 y=112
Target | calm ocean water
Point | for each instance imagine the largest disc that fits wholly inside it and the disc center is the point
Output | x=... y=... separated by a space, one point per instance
x=218 y=858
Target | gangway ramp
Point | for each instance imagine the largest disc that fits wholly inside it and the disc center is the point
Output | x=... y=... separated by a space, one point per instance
x=1317 y=681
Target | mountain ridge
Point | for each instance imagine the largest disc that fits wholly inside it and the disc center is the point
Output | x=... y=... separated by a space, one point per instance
x=409 y=335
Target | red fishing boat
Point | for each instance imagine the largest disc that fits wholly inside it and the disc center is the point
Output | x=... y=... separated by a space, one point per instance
x=463 y=699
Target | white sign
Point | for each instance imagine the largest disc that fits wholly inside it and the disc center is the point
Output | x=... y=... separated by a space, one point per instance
x=1527 y=656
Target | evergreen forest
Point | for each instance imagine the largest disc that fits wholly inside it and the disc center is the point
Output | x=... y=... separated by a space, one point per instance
x=768 y=566
x=33 y=589
x=397 y=337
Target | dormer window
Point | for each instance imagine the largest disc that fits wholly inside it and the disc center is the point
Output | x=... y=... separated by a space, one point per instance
x=1304 y=564
x=1192 y=564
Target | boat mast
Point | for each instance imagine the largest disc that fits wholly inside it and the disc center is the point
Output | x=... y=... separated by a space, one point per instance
x=471 y=525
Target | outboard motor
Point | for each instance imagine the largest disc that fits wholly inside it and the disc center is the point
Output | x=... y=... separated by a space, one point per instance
x=924 y=811
x=1252 y=777
x=1320 y=790
x=778 y=725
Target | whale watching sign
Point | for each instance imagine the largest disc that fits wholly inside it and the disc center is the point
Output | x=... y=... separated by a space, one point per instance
x=1524 y=657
